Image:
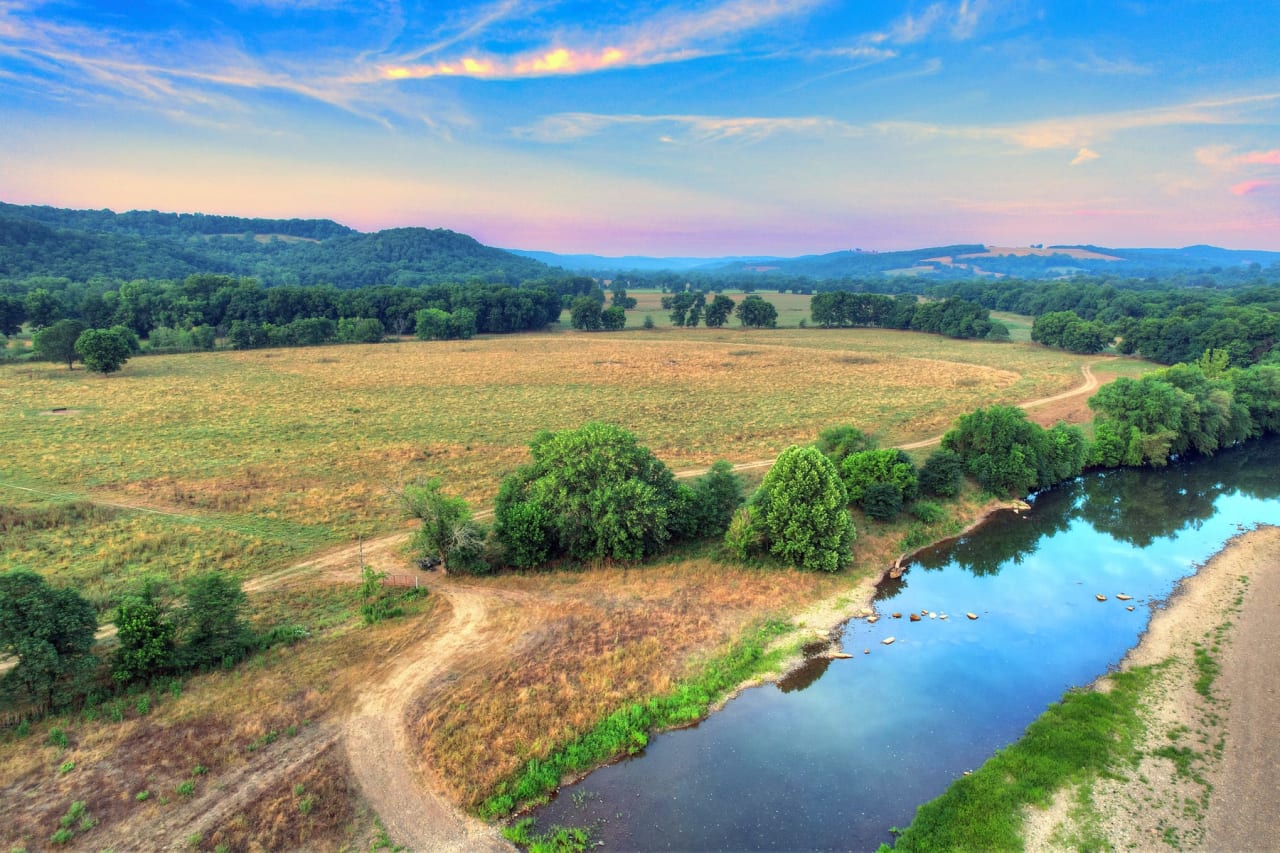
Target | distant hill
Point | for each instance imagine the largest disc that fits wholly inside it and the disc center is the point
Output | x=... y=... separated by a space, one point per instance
x=83 y=244
x=601 y=263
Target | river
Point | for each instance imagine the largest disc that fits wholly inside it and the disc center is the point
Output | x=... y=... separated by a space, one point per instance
x=838 y=753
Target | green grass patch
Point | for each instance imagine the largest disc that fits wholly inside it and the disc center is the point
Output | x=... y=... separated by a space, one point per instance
x=558 y=839
x=1207 y=669
x=1086 y=734
x=626 y=731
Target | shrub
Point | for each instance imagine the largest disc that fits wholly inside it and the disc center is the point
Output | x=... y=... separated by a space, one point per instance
x=942 y=474
x=928 y=512
x=881 y=501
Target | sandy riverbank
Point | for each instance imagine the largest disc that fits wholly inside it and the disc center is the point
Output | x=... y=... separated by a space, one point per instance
x=1212 y=784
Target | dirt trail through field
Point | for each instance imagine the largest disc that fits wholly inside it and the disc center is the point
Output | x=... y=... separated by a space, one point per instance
x=377 y=740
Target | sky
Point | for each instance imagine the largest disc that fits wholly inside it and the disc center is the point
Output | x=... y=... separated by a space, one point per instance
x=705 y=128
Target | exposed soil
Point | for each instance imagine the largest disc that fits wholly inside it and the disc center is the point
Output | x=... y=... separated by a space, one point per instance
x=1213 y=785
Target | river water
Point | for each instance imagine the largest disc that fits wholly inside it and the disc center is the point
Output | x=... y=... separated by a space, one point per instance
x=834 y=756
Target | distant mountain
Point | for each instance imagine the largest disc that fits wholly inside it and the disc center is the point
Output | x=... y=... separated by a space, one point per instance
x=83 y=244
x=631 y=263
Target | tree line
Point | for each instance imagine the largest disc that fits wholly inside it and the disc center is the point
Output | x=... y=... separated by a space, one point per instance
x=596 y=493
x=953 y=317
x=1160 y=321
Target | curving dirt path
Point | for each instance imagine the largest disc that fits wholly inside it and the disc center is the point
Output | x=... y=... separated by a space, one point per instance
x=378 y=746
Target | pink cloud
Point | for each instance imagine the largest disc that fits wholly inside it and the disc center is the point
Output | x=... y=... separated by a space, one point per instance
x=1265 y=158
x=1250 y=187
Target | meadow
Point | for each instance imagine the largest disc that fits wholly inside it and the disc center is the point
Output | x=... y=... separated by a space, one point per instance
x=249 y=461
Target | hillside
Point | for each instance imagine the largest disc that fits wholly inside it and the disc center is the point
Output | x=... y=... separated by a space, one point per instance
x=84 y=244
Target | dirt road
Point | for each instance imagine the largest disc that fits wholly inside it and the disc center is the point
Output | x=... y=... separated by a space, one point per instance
x=377 y=743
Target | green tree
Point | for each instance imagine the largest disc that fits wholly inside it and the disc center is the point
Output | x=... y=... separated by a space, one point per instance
x=717 y=313
x=1000 y=448
x=613 y=319
x=50 y=631
x=432 y=324
x=800 y=511
x=589 y=493
x=755 y=313
x=621 y=300
x=57 y=342
x=145 y=630
x=712 y=501
x=103 y=350
x=447 y=532
x=585 y=314
x=942 y=474
x=209 y=630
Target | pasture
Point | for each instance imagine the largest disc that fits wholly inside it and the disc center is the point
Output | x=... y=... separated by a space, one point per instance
x=259 y=456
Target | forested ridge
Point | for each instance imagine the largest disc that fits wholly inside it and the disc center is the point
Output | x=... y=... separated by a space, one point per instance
x=81 y=245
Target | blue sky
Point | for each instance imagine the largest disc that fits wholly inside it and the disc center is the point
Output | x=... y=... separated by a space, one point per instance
x=691 y=128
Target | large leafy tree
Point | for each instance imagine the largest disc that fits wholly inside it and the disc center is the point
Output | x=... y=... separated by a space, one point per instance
x=1009 y=454
x=209 y=628
x=57 y=342
x=754 y=312
x=50 y=631
x=590 y=492
x=103 y=350
x=800 y=511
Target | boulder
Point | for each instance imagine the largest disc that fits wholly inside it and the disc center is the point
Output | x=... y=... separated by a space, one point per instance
x=1123 y=597
x=1100 y=597
x=840 y=656
x=915 y=617
x=887 y=641
x=896 y=615
x=972 y=615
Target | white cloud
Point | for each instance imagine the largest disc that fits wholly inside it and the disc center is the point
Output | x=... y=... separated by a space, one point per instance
x=1084 y=156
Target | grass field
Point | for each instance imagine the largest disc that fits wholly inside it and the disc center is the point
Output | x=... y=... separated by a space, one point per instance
x=251 y=460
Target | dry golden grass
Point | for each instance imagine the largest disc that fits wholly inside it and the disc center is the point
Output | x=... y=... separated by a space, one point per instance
x=584 y=644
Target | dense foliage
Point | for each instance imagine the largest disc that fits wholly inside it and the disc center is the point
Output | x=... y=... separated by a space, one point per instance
x=49 y=630
x=1169 y=322
x=1181 y=409
x=595 y=492
x=799 y=514
x=1008 y=454
x=954 y=318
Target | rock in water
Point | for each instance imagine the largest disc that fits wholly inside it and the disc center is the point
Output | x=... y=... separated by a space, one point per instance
x=896 y=615
x=1130 y=608
x=871 y=620
x=972 y=615
x=888 y=641
x=840 y=656
x=1100 y=597
x=915 y=617
x=1123 y=597
x=866 y=651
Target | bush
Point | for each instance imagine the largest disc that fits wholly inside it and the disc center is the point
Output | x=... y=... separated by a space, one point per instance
x=881 y=501
x=928 y=512
x=942 y=474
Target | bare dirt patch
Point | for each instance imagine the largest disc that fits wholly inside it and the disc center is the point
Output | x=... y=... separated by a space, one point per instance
x=1183 y=793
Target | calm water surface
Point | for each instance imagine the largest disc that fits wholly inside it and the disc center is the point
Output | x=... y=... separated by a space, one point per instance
x=834 y=756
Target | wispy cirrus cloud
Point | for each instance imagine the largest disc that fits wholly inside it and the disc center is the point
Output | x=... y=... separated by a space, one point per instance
x=1081 y=131
x=672 y=35
x=568 y=127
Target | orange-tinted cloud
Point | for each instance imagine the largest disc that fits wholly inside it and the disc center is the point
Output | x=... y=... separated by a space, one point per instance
x=1084 y=156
